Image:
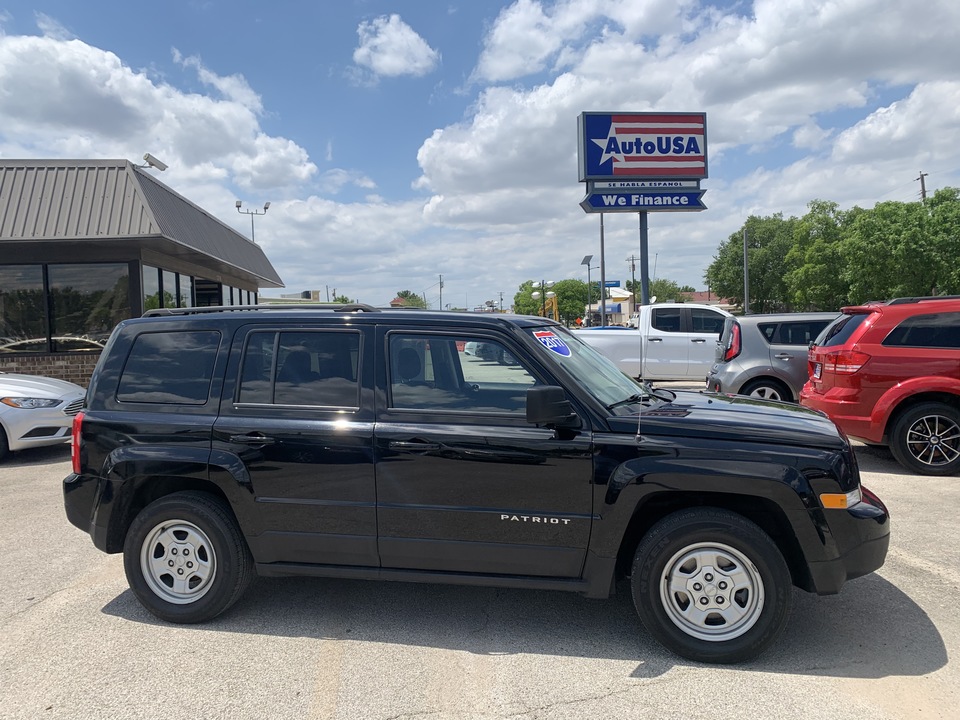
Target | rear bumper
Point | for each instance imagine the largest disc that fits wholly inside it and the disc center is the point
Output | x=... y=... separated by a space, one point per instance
x=79 y=501
x=860 y=538
x=844 y=413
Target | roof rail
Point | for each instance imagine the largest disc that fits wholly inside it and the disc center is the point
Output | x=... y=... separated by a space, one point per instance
x=928 y=298
x=333 y=307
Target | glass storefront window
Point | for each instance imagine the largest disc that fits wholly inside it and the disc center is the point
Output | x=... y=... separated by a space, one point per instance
x=22 y=315
x=186 y=291
x=168 y=283
x=151 y=288
x=87 y=302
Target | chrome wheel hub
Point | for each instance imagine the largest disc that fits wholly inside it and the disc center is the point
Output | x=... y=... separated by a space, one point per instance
x=178 y=562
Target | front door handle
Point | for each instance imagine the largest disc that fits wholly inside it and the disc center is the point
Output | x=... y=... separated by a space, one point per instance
x=412 y=445
x=698 y=340
x=252 y=439
x=783 y=356
x=656 y=339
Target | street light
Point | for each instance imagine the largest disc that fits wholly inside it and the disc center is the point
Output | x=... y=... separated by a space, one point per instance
x=543 y=294
x=252 y=213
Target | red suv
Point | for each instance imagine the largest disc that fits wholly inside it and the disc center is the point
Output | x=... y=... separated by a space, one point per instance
x=889 y=374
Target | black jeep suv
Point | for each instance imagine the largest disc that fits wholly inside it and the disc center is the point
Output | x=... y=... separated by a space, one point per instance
x=219 y=444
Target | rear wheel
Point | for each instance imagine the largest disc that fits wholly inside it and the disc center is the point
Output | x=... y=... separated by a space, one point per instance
x=185 y=558
x=926 y=439
x=767 y=389
x=3 y=444
x=711 y=586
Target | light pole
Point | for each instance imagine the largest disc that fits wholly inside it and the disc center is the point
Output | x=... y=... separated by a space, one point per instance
x=587 y=259
x=543 y=294
x=252 y=213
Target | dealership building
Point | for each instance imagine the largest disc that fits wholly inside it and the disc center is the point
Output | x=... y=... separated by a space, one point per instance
x=85 y=244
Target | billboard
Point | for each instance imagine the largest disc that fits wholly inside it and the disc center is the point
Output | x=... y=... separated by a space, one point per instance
x=623 y=146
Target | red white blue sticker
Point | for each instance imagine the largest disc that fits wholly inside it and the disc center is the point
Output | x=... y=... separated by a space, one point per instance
x=551 y=342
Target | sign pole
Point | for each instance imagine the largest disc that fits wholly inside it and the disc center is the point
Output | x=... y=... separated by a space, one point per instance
x=603 y=279
x=644 y=274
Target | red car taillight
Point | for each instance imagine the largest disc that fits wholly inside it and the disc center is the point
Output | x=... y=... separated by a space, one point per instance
x=75 y=445
x=845 y=362
x=733 y=344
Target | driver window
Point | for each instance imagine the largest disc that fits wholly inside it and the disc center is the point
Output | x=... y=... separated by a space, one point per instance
x=461 y=374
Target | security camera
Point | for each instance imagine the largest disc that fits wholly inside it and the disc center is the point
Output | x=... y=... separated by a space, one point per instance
x=153 y=162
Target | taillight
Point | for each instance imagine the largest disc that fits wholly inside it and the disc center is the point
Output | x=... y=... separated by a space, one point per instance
x=75 y=445
x=733 y=344
x=845 y=362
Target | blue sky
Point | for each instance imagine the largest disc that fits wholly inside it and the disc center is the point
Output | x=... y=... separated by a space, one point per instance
x=401 y=141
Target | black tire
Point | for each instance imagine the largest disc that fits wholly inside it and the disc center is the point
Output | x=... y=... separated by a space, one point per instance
x=926 y=439
x=4 y=447
x=767 y=389
x=186 y=559
x=725 y=563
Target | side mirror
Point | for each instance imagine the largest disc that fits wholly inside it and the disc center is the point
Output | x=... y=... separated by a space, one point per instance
x=548 y=405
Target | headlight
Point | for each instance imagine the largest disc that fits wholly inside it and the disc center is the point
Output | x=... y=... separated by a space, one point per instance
x=29 y=403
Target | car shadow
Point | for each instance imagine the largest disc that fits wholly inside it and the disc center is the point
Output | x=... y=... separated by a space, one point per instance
x=878 y=459
x=38 y=456
x=870 y=630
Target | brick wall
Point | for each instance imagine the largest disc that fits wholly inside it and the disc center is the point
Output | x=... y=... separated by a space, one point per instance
x=75 y=367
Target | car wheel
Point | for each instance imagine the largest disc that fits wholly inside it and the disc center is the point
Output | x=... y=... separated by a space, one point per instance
x=3 y=444
x=767 y=389
x=711 y=586
x=185 y=558
x=926 y=439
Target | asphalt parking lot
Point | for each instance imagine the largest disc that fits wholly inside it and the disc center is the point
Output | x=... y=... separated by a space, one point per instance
x=75 y=643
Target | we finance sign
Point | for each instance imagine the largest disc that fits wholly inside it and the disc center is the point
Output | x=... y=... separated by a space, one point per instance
x=616 y=146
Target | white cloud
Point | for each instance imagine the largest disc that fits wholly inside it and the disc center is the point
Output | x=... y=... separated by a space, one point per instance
x=332 y=181
x=389 y=47
x=52 y=29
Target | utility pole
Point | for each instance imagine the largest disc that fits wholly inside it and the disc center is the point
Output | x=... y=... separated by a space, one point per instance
x=633 y=273
x=501 y=301
x=923 y=185
x=441 y=292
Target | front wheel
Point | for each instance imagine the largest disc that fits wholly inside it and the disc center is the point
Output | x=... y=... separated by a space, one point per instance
x=185 y=558
x=711 y=586
x=926 y=439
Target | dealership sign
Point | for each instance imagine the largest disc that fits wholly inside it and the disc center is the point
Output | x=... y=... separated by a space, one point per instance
x=677 y=201
x=642 y=146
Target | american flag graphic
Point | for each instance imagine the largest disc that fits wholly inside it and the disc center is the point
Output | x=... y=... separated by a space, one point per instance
x=648 y=145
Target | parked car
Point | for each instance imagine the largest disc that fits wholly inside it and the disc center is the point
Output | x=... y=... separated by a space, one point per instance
x=765 y=356
x=889 y=374
x=205 y=430
x=36 y=411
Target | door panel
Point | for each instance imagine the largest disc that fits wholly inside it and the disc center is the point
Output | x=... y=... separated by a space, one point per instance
x=464 y=483
x=300 y=419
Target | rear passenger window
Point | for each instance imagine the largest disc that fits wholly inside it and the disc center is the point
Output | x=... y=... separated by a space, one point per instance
x=840 y=330
x=795 y=333
x=667 y=319
x=937 y=330
x=310 y=368
x=170 y=367
x=706 y=321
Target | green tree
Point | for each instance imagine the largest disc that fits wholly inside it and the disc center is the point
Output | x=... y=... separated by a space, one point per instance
x=816 y=280
x=663 y=289
x=769 y=239
x=342 y=299
x=571 y=299
x=411 y=299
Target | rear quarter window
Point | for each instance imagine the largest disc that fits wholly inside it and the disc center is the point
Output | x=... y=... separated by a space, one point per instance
x=935 y=330
x=169 y=367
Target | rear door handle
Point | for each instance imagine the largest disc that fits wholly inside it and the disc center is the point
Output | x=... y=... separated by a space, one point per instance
x=698 y=340
x=252 y=439
x=656 y=339
x=412 y=445
x=783 y=356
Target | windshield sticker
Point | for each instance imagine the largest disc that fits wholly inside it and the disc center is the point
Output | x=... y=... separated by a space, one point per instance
x=551 y=342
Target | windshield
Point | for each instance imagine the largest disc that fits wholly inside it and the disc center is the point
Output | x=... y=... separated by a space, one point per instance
x=592 y=370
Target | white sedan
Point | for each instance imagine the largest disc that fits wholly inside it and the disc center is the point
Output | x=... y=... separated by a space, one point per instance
x=36 y=411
